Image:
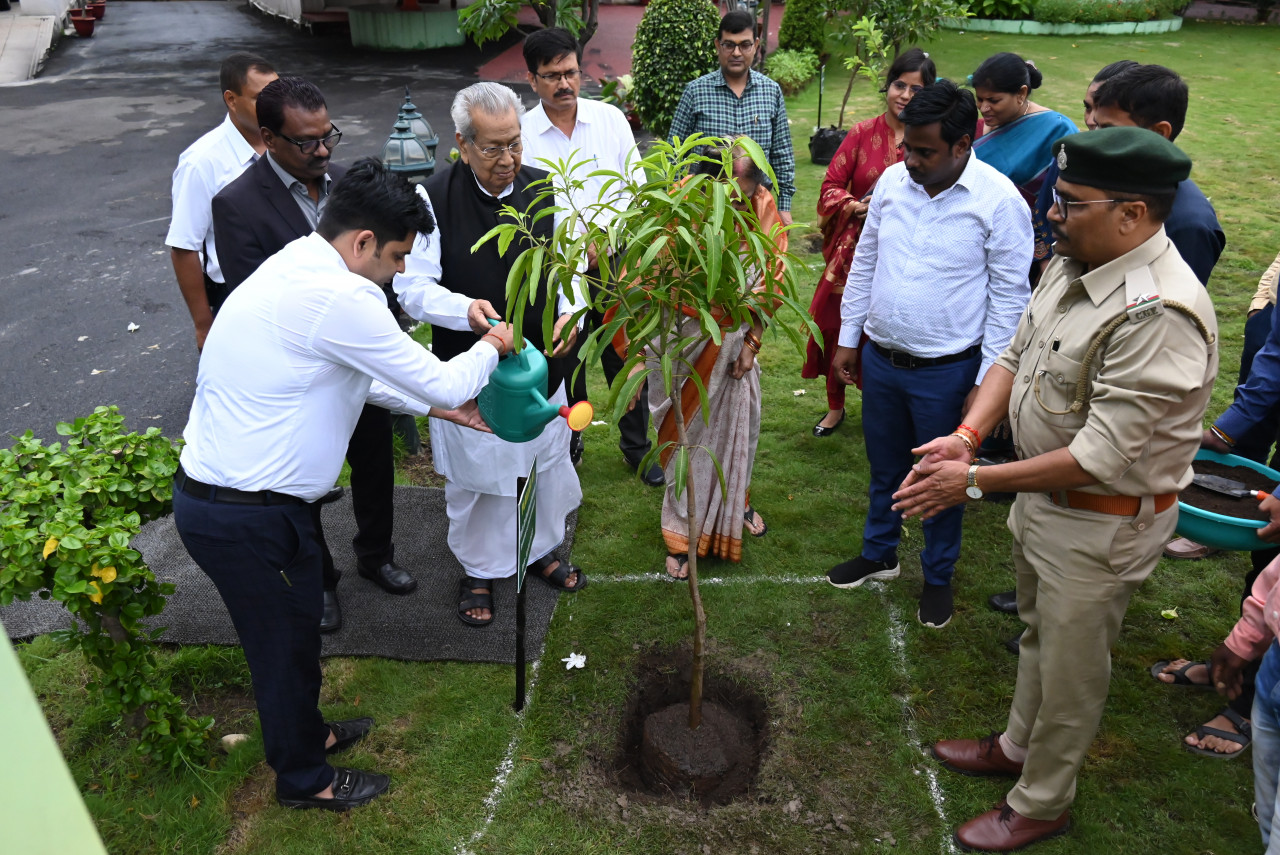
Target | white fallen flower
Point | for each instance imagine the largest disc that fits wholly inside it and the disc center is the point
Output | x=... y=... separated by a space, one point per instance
x=575 y=660
x=133 y=328
x=798 y=392
x=598 y=422
x=82 y=338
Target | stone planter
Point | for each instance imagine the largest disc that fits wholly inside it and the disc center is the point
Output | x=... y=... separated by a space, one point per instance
x=83 y=21
x=388 y=28
x=1036 y=28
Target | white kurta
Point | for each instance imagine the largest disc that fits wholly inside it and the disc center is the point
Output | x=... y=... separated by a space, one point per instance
x=482 y=469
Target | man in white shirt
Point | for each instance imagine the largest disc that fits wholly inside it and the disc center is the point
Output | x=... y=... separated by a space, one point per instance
x=456 y=291
x=303 y=344
x=596 y=136
x=208 y=165
x=938 y=285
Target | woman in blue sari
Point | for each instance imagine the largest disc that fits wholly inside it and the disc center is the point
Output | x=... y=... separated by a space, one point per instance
x=1019 y=133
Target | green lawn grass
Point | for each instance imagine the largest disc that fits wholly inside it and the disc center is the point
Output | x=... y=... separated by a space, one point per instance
x=856 y=687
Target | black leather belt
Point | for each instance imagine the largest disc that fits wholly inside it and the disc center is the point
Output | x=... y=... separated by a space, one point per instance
x=184 y=482
x=902 y=359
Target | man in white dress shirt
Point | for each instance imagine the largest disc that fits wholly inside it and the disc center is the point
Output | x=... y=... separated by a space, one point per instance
x=209 y=164
x=938 y=285
x=596 y=136
x=456 y=290
x=305 y=342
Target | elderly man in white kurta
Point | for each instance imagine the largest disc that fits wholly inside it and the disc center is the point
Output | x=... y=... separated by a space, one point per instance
x=457 y=290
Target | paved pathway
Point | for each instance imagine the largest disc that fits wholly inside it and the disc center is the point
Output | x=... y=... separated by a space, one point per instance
x=24 y=41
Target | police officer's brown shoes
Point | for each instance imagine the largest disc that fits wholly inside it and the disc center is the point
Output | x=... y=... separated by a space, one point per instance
x=351 y=788
x=1006 y=830
x=976 y=756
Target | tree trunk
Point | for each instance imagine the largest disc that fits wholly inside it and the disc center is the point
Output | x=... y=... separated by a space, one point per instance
x=591 y=17
x=546 y=13
x=699 y=616
x=137 y=718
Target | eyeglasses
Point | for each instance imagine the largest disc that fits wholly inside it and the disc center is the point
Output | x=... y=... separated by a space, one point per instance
x=312 y=146
x=737 y=47
x=557 y=76
x=1062 y=205
x=901 y=86
x=494 y=152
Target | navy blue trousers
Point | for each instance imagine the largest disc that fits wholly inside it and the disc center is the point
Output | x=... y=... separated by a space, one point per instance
x=903 y=408
x=265 y=562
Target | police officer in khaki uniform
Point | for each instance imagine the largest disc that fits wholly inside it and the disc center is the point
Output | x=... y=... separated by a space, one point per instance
x=1105 y=384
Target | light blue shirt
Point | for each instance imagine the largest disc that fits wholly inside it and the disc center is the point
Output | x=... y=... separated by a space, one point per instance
x=935 y=276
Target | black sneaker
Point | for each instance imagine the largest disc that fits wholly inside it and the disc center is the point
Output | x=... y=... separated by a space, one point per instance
x=851 y=574
x=935 y=606
x=576 y=446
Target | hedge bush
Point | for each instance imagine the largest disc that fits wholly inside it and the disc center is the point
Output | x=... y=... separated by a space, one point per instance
x=1103 y=11
x=1001 y=10
x=675 y=43
x=804 y=27
x=791 y=69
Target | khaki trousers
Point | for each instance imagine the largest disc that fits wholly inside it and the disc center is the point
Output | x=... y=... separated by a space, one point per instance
x=1076 y=572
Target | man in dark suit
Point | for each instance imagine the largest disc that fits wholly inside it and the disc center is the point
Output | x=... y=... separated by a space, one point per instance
x=278 y=200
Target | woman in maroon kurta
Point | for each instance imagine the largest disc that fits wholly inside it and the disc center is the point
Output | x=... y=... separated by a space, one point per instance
x=868 y=150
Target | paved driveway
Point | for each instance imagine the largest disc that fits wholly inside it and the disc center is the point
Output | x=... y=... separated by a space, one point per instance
x=86 y=154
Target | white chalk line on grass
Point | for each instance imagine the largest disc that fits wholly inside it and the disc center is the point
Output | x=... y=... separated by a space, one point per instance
x=897 y=642
x=503 y=773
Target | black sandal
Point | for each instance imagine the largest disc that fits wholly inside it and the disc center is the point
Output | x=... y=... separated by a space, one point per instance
x=682 y=564
x=559 y=577
x=469 y=599
x=747 y=515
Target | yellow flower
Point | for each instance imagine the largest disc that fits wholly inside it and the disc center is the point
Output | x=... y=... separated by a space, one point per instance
x=49 y=546
x=96 y=596
x=106 y=574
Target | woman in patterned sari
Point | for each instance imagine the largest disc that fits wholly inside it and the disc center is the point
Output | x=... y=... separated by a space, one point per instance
x=867 y=151
x=732 y=380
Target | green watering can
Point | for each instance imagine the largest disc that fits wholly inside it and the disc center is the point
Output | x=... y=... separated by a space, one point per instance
x=514 y=403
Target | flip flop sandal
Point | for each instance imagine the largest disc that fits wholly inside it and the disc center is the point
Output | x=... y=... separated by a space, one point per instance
x=747 y=515
x=682 y=564
x=469 y=599
x=559 y=577
x=1180 y=677
x=1243 y=738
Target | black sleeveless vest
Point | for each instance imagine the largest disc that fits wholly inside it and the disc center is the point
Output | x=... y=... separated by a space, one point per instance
x=465 y=213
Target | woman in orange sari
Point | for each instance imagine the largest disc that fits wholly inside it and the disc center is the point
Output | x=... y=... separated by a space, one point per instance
x=867 y=151
x=732 y=380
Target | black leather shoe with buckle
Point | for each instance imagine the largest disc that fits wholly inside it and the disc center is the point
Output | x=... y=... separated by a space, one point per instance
x=390 y=577
x=351 y=788
x=348 y=733
x=1005 y=601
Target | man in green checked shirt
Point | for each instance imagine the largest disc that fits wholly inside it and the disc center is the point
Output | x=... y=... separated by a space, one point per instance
x=738 y=101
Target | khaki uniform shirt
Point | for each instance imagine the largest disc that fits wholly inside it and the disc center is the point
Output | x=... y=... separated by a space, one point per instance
x=1150 y=382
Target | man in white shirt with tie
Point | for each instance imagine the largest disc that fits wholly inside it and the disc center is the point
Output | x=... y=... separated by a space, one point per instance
x=209 y=164
x=595 y=136
x=304 y=342
x=938 y=284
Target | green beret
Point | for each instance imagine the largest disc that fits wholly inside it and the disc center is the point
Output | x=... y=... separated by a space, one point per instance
x=1127 y=159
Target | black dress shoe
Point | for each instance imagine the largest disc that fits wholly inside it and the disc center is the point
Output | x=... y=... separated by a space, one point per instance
x=1005 y=601
x=348 y=733
x=332 y=496
x=351 y=788
x=1014 y=645
x=389 y=577
x=331 y=617
x=652 y=477
x=820 y=431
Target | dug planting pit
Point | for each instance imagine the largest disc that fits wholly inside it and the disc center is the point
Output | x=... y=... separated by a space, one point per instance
x=661 y=757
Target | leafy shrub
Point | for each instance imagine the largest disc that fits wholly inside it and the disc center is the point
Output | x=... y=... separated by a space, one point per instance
x=908 y=22
x=791 y=69
x=67 y=515
x=803 y=27
x=1004 y=10
x=1103 y=11
x=675 y=43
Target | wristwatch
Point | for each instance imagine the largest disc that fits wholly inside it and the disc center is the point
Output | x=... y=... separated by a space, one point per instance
x=971 y=489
